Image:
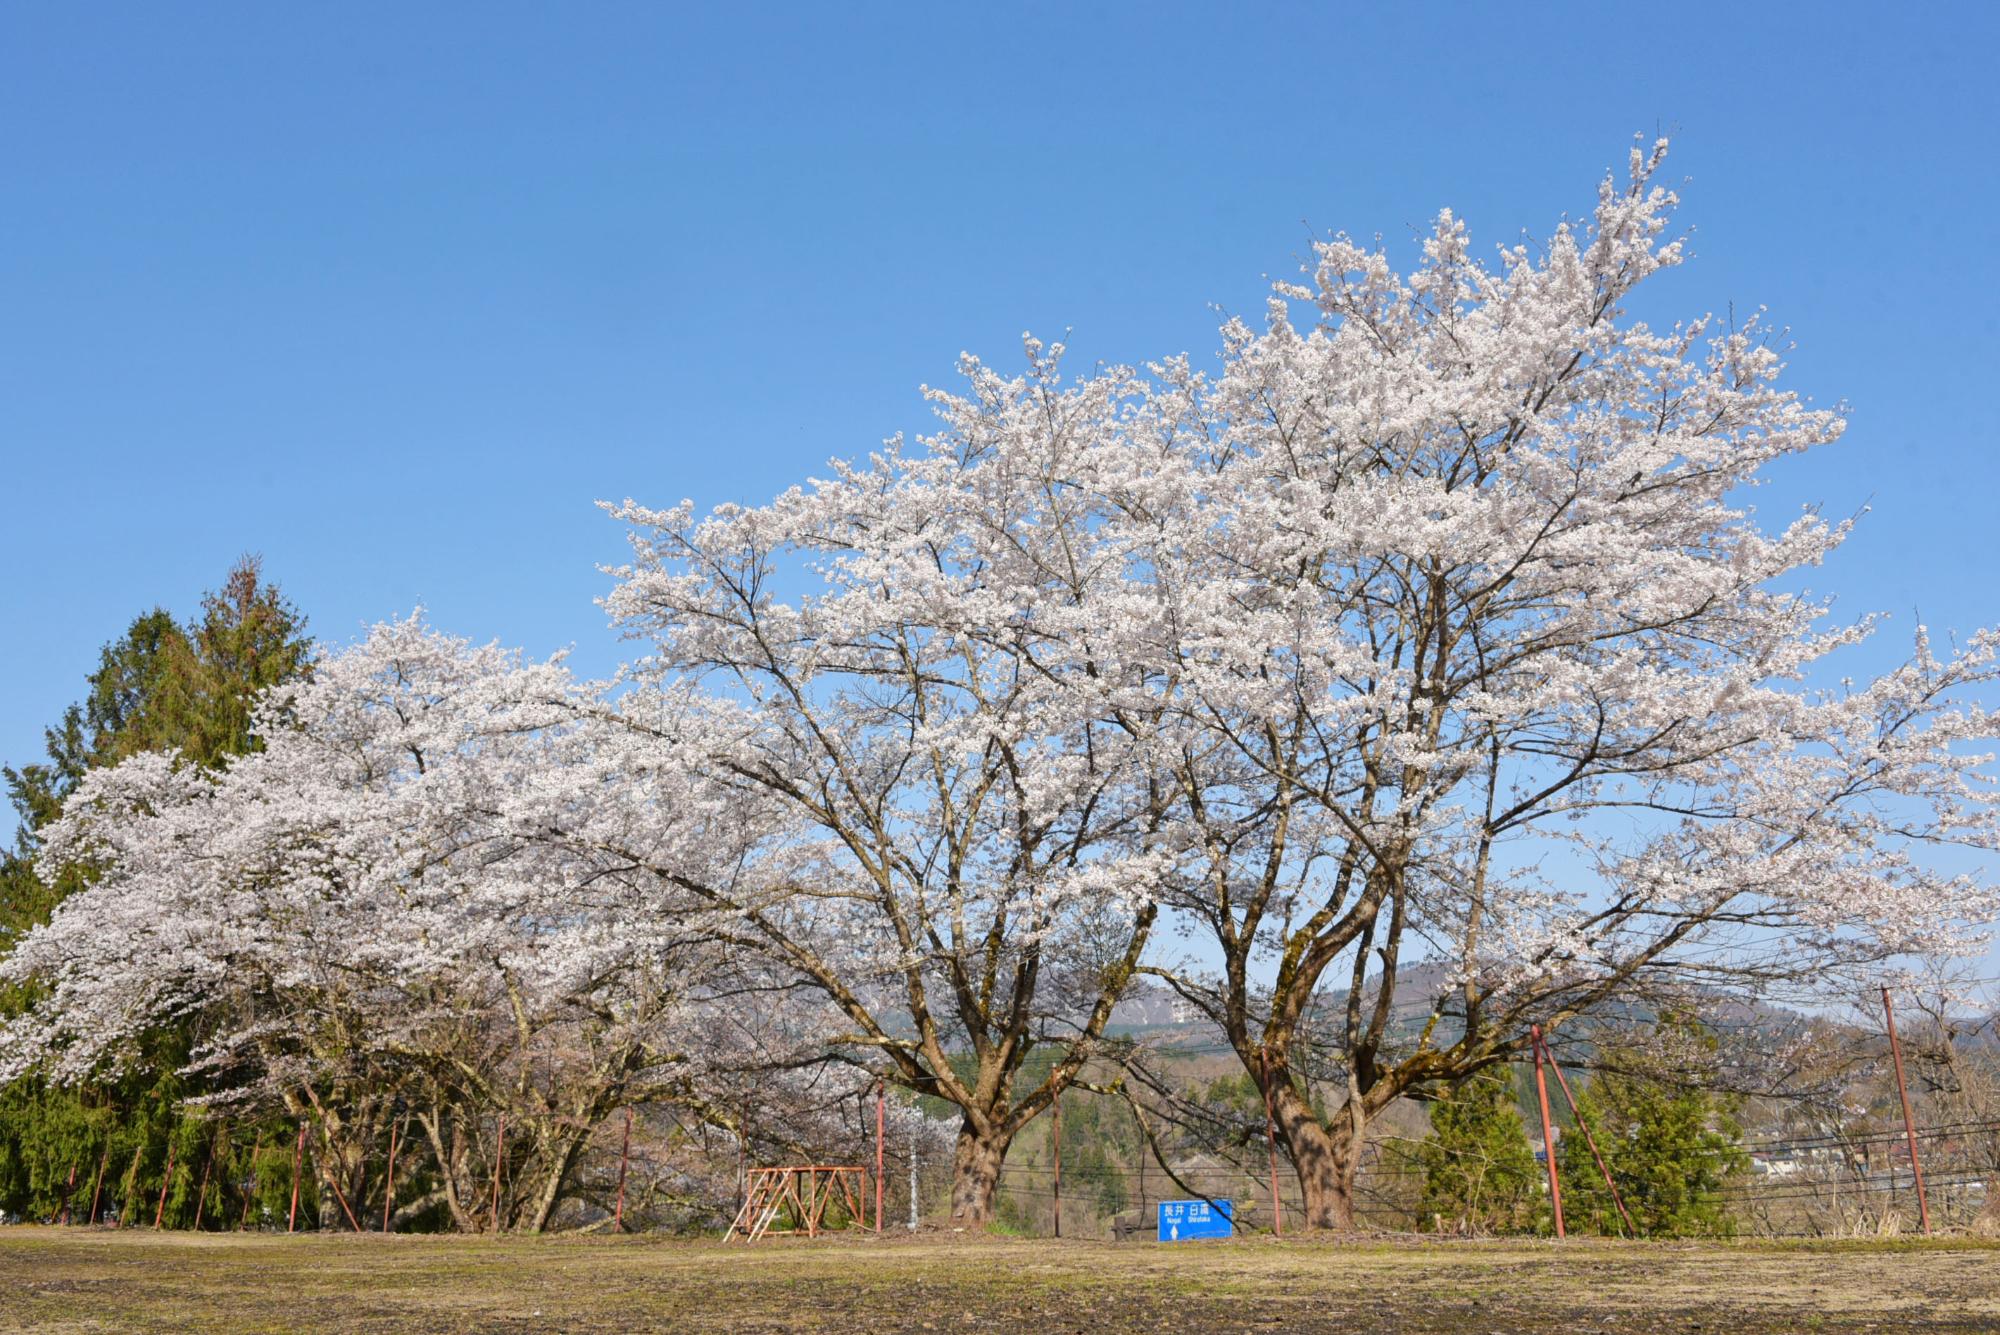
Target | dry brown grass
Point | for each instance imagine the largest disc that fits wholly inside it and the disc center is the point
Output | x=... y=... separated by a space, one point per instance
x=81 y=1280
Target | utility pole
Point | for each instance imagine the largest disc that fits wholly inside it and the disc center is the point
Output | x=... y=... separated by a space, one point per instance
x=1143 y=1156
x=1909 y=1123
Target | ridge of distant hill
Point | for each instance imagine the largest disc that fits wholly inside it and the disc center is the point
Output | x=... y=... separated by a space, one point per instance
x=1152 y=1012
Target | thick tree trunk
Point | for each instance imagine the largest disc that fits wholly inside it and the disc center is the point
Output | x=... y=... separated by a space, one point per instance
x=342 y=1172
x=554 y=1179
x=1325 y=1160
x=324 y=1163
x=975 y=1173
x=458 y=1192
x=409 y=1210
x=1987 y=1222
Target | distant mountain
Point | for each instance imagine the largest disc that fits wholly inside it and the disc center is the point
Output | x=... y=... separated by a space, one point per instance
x=1153 y=1012
x=1147 y=1006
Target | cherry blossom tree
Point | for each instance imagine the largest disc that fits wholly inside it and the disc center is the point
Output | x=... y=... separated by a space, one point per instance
x=926 y=651
x=385 y=905
x=1431 y=627
x=1484 y=663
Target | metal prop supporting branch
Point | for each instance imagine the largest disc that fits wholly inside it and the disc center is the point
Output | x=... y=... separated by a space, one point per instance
x=1548 y=1130
x=389 y=1183
x=250 y=1184
x=1576 y=1114
x=298 y=1153
x=624 y=1158
x=165 y=1182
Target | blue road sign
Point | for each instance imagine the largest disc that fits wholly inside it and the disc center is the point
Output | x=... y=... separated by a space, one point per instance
x=1181 y=1220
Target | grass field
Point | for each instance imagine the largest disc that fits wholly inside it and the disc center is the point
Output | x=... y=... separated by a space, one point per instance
x=76 y=1280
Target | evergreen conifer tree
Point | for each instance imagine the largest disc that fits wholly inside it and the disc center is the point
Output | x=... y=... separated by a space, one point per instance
x=1671 y=1146
x=1480 y=1174
x=161 y=686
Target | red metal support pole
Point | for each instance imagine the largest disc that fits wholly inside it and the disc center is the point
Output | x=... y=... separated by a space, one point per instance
x=1058 y=1162
x=1270 y=1143
x=389 y=1187
x=499 y=1157
x=1548 y=1131
x=97 y=1187
x=333 y=1180
x=881 y=1123
x=166 y=1180
x=1588 y=1139
x=132 y=1192
x=1909 y=1123
x=201 y=1192
x=298 y=1154
x=624 y=1157
x=250 y=1191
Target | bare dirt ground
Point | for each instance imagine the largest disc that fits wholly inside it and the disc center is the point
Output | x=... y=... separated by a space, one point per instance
x=87 y=1280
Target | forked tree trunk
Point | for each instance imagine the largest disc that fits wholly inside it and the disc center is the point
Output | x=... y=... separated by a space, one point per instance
x=555 y=1177
x=342 y=1173
x=1326 y=1160
x=459 y=1192
x=324 y=1162
x=975 y=1173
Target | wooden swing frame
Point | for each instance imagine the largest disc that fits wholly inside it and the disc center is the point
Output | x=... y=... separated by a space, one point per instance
x=806 y=1191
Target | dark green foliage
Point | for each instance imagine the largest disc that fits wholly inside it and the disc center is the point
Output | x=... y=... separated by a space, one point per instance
x=161 y=686
x=1480 y=1173
x=248 y=638
x=140 y=685
x=1672 y=1146
x=1097 y=1136
x=1234 y=1094
x=46 y=1130
x=1241 y=1098
x=25 y=900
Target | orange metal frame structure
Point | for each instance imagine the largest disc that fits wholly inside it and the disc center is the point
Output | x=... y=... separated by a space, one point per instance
x=805 y=1192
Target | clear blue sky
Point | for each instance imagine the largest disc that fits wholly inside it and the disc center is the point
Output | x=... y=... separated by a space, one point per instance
x=392 y=294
